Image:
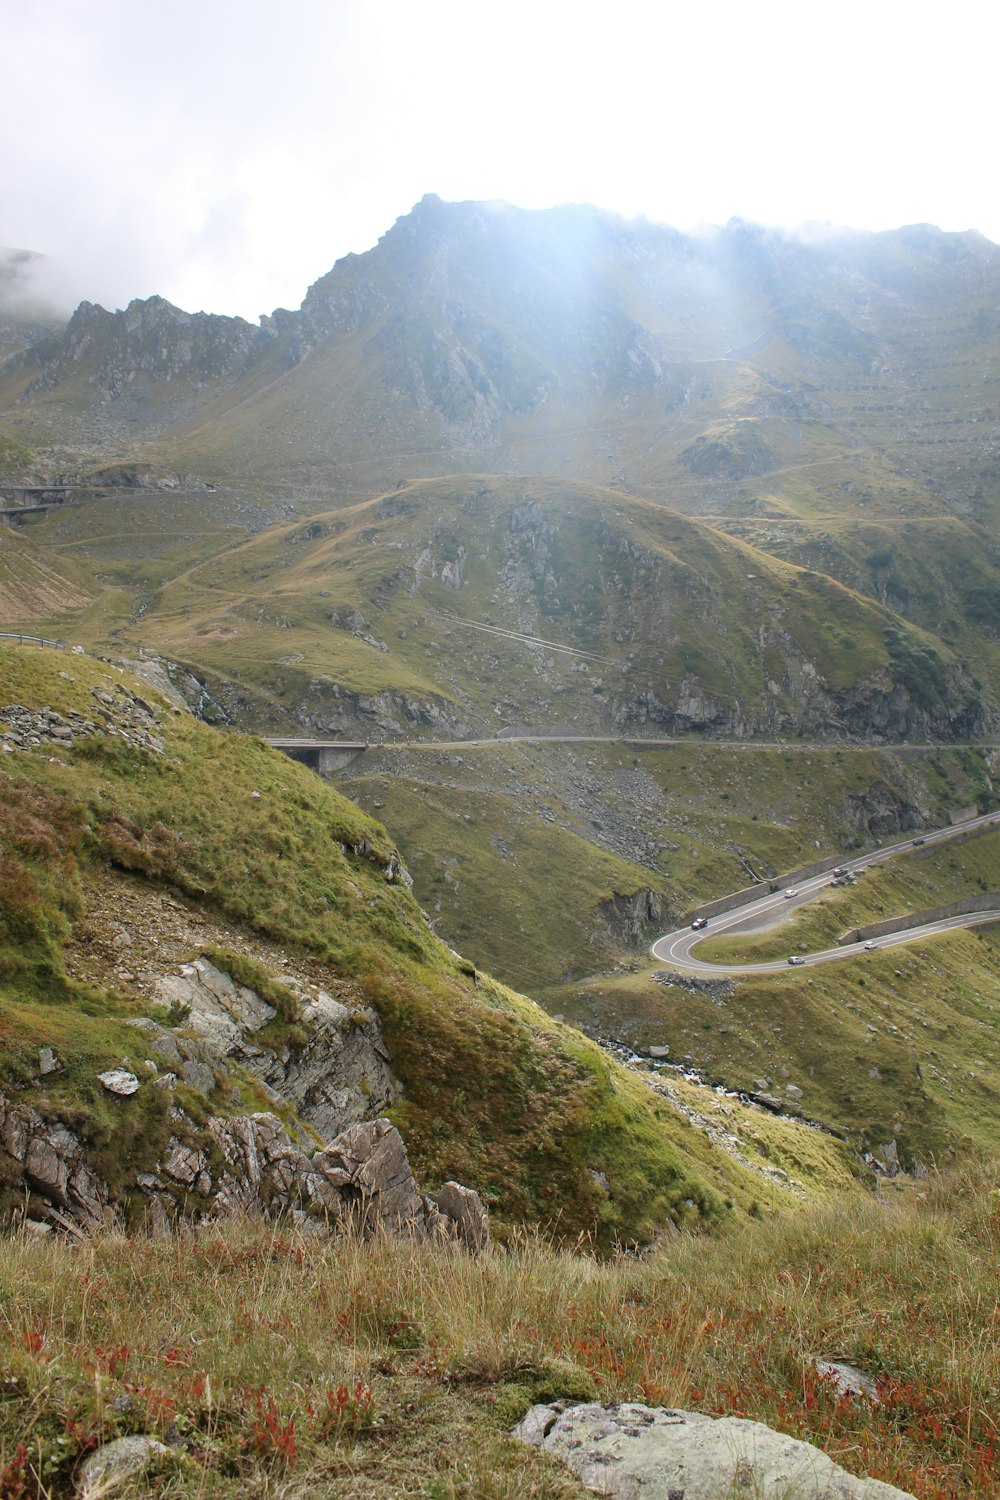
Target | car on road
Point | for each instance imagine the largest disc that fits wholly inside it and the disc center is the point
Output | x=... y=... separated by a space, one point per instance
x=792 y=891
x=871 y=944
x=918 y=843
x=838 y=872
x=699 y=923
x=795 y=959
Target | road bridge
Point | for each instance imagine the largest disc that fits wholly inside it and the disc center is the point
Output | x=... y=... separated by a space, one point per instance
x=324 y=756
x=23 y=500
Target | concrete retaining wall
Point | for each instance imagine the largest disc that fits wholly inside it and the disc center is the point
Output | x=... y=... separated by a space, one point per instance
x=805 y=872
x=775 y=883
x=988 y=901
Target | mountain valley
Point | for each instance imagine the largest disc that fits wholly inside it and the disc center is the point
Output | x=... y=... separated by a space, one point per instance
x=637 y=568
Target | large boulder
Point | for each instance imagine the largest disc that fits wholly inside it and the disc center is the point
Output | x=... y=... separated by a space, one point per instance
x=632 y=1451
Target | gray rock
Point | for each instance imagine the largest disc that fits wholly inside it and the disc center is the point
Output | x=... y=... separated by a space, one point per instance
x=849 y=1380
x=537 y=1422
x=36 y=1228
x=369 y=1161
x=336 y=1074
x=631 y=1451
x=198 y=1075
x=114 y=1462
x=46 y=1170
x=53 y=1167
x=465 y=1209
x=48 y=1062
x=119 y=1081
x=183 y=1163
x=15 y=1134
x=223 y=1009
x=362 y=1178
x=888 y=1153
x=86 y=1197
x=769 y=1101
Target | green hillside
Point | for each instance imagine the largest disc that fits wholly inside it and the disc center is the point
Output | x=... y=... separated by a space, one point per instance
x=496 y=1094
x=480 y=603
x=372 y=1372
x=516 y=849
x=643 y=566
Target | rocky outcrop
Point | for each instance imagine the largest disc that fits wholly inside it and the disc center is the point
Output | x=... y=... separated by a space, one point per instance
x=331 y=710
x=334 y=1069
x=878 y=708
x=119 y=713
x=136 y=354
x=885 y=707
x=634 y=1450
x=881 y=809
x=52 y=1168
x=354 y=621
x=628 y=919
x=235 y=1166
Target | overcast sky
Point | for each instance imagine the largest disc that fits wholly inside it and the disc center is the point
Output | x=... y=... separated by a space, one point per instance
x=225 y=152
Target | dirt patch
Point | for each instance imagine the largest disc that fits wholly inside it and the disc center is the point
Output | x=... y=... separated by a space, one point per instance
x=133 y=932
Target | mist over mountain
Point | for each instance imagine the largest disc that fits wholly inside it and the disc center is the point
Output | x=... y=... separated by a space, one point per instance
x=831 y=401
x=565 y=341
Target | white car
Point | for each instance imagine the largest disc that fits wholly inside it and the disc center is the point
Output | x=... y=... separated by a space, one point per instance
x=795 y=959
x=792 y=891
x=871 y=944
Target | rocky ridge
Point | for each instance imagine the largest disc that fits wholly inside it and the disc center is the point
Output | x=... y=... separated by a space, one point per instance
x=325 y=1056
x=134 y=356
x=333 y=1069
x=240 y=1166
x=320 y=1059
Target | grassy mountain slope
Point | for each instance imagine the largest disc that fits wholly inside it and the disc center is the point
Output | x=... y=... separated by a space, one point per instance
x=496 y=1093
x=36 y=585
x=479 y=603
x=483 y=830
x=837 y=396
x=573 y=342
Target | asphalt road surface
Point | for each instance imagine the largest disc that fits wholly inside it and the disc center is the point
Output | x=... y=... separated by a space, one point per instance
x=773 y=906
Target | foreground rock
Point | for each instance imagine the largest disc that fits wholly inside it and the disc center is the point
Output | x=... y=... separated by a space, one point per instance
x=117 y=1461
x=640 y=1451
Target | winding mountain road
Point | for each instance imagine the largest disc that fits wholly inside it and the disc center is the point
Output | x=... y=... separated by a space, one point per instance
x=768 y=910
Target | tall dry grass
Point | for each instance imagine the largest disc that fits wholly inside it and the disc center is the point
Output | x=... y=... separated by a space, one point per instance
x=276 y=1365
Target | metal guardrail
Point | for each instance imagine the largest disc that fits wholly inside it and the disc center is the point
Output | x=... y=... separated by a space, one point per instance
x=36 y=640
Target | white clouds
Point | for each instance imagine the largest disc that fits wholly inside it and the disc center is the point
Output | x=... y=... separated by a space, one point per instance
x=225 y=152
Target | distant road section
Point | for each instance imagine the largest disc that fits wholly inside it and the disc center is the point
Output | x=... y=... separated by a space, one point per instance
x=676 y=948
x=690 y=741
